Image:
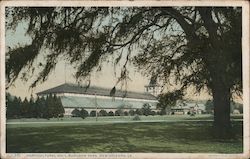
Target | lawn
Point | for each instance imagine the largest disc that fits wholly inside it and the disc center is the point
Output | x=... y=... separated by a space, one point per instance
x=169 y=137
x=125 y=118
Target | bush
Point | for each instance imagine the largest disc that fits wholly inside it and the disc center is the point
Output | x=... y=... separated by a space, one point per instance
x=146 y=109
x=125 y=113
x=84 y=113
x=138 y=111
x=111 y=113
x=163 y=112
x=92 y=113
x=117 y=113
x=103 y=113
x=131 y=112
x=76 y=113
x=153 y=113
x=136 y=117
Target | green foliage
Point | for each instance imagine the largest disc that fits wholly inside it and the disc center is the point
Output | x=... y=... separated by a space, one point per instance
x=162 y=112
x=13 y=106
x=84 y=113
x=92 y=113
x=25 y=107
x=39 y=108
x=118 y=113
x=111 y=113
x=153 y=113
x=76 y=113
x=236 y=106
x=168 y=100
x=146 y=109
x=138 y=112
x=136 y=117
x=209 y=106
x=42 y=107
x=125 y=113
x=103 y=113
x=131 y=112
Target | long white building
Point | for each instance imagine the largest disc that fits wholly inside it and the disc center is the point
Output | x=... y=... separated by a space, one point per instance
x=98 y=98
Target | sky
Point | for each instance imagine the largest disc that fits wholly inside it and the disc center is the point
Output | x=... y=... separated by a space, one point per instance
x=64 y=73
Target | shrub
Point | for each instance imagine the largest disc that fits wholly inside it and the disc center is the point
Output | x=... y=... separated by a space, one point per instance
x=163 y=112
x=136 y=117
x=125 y=113
x=76 y=113
x=138 y=112
x=146 y=109
x=153 y=113
x=92 y=113
x=117 y=113
x=110 y=113
x=103 y=113
x=131 y=112
x=84 y=113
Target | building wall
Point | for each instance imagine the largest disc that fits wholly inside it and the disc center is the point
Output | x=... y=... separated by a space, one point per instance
x=90 y=102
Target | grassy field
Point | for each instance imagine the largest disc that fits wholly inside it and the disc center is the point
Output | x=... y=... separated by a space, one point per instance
x=126 y=118
x=171 y=137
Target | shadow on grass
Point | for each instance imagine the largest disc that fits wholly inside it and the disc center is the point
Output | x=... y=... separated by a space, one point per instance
x=126 y=137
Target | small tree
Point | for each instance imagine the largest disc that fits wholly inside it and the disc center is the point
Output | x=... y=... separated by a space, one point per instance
x=103 y=113
x=162 y=112
x=138 y=112
x=131 y=112
x=146 y=109
x=43 y=107
x=153 y=113
x=76 y=113
x=59 y=107
x=120 y=110
x=209 y=106
x=50 y=104
x=117 y=113
x=92 y=113
x=125 y=113
x=25 y=108
x=136 y=117
x=32 y=108
x=13 y=106
x=110 y=113
x=84 y=113
x=168 y=100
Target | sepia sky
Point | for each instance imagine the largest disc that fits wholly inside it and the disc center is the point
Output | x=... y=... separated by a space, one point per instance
x=64 y=73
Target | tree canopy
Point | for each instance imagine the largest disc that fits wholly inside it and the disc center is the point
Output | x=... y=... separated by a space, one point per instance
x=170 y=41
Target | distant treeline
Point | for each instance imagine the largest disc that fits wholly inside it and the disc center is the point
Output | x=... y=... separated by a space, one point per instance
x=44 y=107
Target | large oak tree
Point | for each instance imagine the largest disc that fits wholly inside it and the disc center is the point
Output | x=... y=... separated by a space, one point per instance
x=187 y=46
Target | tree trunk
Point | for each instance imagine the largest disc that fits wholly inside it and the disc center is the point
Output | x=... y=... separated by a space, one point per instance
x=221 y=101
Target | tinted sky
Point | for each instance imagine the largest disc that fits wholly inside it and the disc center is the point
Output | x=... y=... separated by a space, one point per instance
x=64 y=72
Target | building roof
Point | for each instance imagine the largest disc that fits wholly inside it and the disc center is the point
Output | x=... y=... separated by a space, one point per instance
x=92 y=90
